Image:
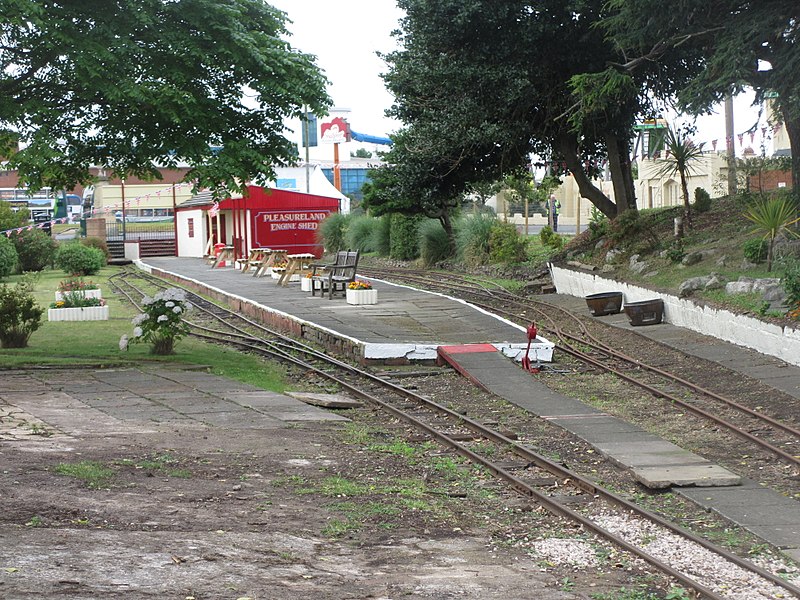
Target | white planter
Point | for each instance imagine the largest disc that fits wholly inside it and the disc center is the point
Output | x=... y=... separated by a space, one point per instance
x=362 y=296
x=86 y=313
x=305 y=284
x=276 y=274
x=85 y=293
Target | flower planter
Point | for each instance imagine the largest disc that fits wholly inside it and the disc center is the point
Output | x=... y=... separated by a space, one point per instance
x=86 y=313
x=84 y=293
x=362 y=296
x=604 y=303
x=305 y=284
x=647 y=312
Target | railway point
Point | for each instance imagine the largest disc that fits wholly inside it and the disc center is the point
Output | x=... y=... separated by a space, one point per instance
x=408 y=325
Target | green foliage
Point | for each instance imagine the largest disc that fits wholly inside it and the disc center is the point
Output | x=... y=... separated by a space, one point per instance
x=94 y=474
x=76 y=259
x=140 y=94
x=332 y=233
x=626 y=226
x=771 y=217
x=434 y=245
x=472 y=239
x=161 y=324
x=99 y=243
x=550 y=238
x=8 y=257
x=599 y=224
x=35 y=249
x=681 y=158
x=20 y=316
x=506 y=245
x=360 y=233
x=756 y=250
x=381 y=235
x=675 y=252
x=702 y=200
x=791 y=282
x=404 y=240
x=10 y=219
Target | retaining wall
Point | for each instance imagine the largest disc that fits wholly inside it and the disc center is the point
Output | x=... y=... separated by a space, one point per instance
x=774 y=340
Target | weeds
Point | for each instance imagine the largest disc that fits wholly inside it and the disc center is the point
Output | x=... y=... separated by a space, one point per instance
x=94 y=474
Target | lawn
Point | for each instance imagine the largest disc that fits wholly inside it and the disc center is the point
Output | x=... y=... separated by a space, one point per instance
x=96 y=343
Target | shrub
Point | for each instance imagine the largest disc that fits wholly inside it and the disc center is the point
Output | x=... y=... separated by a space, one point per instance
x=791 y=282
x=404 y=237
x=756 y=250
x=359 y=234
x=506 y=244
x=161 y=324
x=8 y=257
x=381 y=235
x=550 y=239
x=99 y=243
x=77 y=259
x=332 y=232
x=598 y=224
x=434 y=245
x=702 y=200
x=472 y=239
x=20 y=316
x=676 y=252
x=35 y=250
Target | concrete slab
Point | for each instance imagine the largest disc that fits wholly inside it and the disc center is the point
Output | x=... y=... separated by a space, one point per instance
x=685 y=475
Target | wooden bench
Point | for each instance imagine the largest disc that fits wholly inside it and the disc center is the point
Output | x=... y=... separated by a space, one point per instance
x=334 y=276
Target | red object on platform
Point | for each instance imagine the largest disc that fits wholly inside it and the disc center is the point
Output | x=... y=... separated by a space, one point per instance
x=526 y=361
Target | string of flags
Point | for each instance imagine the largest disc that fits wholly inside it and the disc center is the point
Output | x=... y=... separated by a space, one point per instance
x=96 y=211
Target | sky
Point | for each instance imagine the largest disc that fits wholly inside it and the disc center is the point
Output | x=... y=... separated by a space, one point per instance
x=345 y=35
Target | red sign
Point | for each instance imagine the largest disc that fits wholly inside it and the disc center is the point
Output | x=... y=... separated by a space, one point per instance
x=288 y=229
x=335 y=132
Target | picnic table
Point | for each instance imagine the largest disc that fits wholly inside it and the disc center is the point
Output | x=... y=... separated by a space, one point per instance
x=254 y=259
x=225 y=253
x=296 y=264
x=269 y=259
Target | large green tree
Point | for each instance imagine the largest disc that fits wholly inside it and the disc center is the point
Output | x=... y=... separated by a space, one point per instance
x=128 y=83
x=725 y=45
x=482 y=84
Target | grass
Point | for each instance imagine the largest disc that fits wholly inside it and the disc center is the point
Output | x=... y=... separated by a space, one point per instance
x=96 y=343
x=93 y=474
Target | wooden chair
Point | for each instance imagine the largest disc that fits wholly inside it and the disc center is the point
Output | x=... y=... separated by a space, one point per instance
x=336 y=276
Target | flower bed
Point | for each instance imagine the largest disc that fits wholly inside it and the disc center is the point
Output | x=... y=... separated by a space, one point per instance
x=88 y=293
x=81 y=313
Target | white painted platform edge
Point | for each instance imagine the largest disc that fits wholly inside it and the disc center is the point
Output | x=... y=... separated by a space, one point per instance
x=780 y=342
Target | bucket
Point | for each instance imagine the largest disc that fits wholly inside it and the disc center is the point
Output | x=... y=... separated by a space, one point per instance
x=605 y=303
x=646 y=312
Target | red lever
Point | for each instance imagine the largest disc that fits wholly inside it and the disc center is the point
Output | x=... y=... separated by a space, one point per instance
x=526 y=361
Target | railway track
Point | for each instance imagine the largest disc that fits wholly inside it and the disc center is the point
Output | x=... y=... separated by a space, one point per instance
x=572 y=336
x=551 y=485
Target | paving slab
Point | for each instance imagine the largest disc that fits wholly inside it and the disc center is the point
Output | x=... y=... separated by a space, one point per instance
x=653 y=461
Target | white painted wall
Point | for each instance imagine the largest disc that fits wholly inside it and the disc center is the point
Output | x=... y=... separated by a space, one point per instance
x=783 y=343
x=193 y=247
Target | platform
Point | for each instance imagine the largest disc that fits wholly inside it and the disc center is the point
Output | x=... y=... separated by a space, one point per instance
x=405 y=325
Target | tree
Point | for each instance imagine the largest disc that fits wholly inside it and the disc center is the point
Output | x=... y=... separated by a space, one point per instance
x=124 y=84
x=725 y=45
x=771 y=217
x=681 y=156
x=481 y=85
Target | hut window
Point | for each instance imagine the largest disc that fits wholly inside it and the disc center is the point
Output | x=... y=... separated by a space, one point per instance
x=190 y=223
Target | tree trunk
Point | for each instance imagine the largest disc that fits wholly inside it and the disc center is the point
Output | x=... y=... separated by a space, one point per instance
x=687 y=209
x=793 y=130
x=619 y=162
x=567 y=146
x=447 y=225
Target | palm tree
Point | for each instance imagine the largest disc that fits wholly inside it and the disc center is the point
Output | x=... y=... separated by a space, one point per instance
x=771 y=217
x=681 y=154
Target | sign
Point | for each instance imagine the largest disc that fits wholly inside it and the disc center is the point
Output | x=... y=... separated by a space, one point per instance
x=335 y=132
x=294 y=230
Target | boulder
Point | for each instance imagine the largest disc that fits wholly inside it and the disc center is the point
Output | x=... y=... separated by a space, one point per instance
x=691 y=259
x=705 y=282
x=613 y=255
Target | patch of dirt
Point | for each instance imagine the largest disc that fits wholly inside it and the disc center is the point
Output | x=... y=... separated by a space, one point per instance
x=308 y=509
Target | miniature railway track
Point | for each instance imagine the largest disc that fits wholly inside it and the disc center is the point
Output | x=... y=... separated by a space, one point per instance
x=554 y=487
x=574 y=338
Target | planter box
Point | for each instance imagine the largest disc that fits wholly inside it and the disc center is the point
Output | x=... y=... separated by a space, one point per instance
x=276 y=273
x=87 y=313
x=305 y=284
x=362 y=296
x=85 y=293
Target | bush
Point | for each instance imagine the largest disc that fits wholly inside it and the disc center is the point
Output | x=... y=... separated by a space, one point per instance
x=35 y=250
x=360 y=233
x=99 y=243
x=332 y=232
x=598 y=224
x=8 y=257
x=472 y=239
x=756 y=250
x=702 y=200
x=161 y=324
x=791 y=282
x=20 y=316
x=506 y=245
x=676 y=252
x=550 y=239
x=404 y=237
x=381 y=235
x=434 y=245
x=77 y=259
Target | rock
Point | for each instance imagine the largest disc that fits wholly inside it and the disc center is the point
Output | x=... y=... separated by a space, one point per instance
x=739 y=287
x=691 y=259
x=650 y=275
x=714 y=283
x=747 y=265
x=699 y=283
x=613 y=255
x=636 y=265
x=607 y=269
x=771 y=289
x=721 y=261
